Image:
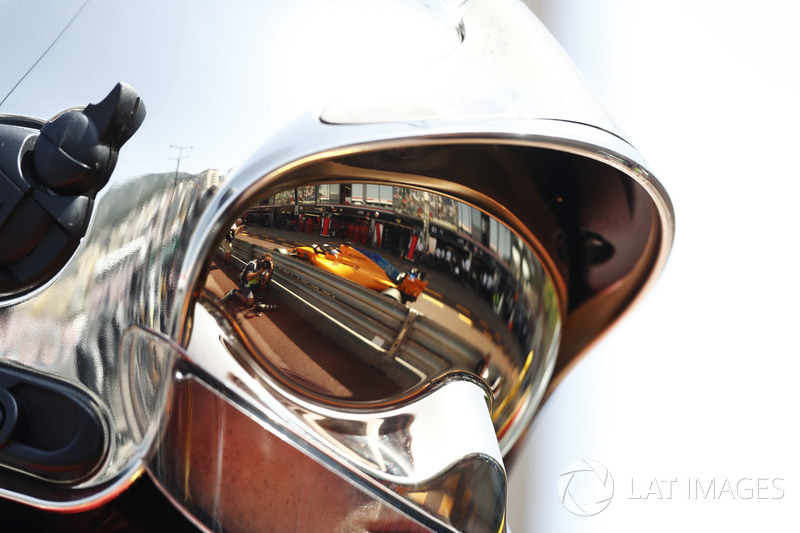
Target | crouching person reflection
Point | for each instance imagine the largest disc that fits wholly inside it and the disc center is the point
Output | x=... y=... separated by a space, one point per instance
x=257 y=274
x=243 y=478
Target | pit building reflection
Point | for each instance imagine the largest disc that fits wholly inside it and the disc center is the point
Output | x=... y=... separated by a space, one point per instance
x=429 y=230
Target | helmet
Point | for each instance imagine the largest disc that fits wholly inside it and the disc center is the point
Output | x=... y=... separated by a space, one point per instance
x=448 y=139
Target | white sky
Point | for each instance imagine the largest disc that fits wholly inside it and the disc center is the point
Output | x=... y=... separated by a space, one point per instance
x=700 y=380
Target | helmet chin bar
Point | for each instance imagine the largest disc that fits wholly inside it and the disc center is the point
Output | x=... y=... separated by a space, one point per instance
x=433 y=458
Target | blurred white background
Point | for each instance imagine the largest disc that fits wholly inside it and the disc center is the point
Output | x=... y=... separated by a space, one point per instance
x=699 y=383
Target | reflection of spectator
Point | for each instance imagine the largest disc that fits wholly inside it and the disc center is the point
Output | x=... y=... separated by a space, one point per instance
x=362 y=233
x=227 y=242
x=420 y=253
x=448 y=260
x=257 y=273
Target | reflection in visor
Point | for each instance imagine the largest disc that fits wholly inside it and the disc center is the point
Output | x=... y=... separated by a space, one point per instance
x=373 y=291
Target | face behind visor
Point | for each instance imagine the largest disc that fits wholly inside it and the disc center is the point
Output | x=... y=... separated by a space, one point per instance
x=437 y=254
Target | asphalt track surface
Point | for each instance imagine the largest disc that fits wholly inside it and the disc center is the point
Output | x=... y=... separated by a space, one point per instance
x=296 y=347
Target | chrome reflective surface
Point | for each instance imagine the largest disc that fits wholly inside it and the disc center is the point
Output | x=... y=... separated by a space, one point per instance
x=120 y=276
x=374 y=290
x=404 y=332
x=532 y=79
x=266 y=107
x=234 y=471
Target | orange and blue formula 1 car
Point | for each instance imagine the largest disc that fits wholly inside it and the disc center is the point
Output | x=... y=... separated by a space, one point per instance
x=365 y=267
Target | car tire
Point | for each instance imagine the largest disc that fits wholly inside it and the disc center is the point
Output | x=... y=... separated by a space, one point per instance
x=394 y=294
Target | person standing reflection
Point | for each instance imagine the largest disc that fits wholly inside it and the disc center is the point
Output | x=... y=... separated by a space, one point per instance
x=227 y=242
